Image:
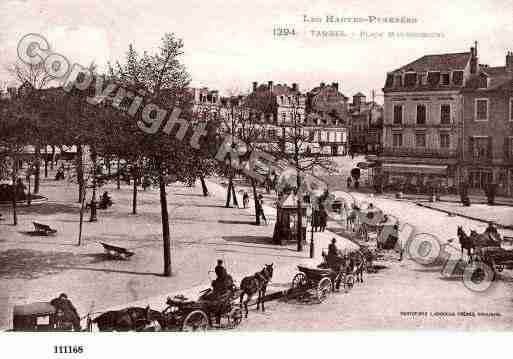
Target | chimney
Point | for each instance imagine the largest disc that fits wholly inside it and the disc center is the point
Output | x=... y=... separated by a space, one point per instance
x=473 y=59
x=322 y=84
x=509 y=62
x=270 y=86
x=294 y=87
x=335 y=85
x=255 y=86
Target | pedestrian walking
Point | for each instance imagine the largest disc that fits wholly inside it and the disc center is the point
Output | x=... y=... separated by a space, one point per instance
x=323 y=218
x=245 y=199
x=260 y=209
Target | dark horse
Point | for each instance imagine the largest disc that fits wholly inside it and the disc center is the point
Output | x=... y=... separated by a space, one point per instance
x=256 y=283
x=132 y=318
x=475 y=240
x=465 y=242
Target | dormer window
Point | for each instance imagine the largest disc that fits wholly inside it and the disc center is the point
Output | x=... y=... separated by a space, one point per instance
x=398 y=80
x=422 y=78
x=483 y=81
x=410 y=79
x=457 y=78
x=445 y=79
x=434 y=78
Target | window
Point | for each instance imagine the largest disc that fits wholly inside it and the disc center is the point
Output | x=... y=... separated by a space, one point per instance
x=445 y=140
x=298 y=117
x=434 y=78
x=420 y=139
x=481 y=148
x=284 y=116
x=397 y=139
x=272 y=134
x=445 y=114
x=481 y=111
x=445 y=79
x=483 y=81
x=457 y=78
x=398 y=114
x=398 y=81
x=421 y=114
x=410 y=79
x=511 y=109
x=422 y=78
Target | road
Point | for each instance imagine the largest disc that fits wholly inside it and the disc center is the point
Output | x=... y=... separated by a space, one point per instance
x=388 y=298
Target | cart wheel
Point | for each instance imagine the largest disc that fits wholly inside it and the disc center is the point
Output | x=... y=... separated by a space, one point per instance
x=235 y=317
x=195 y=321
x=323 y=289
x=349 y=282
x=299 y=280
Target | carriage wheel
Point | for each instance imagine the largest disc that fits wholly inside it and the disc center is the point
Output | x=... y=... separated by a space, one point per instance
x=235 y=317
x=299 y=281
x=323 y=289
x=349 y=282
x=195 y=321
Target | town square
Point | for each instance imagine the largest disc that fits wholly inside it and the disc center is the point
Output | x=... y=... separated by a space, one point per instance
x=146 y=189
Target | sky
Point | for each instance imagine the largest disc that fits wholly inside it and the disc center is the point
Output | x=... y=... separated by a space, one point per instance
x=229 y=44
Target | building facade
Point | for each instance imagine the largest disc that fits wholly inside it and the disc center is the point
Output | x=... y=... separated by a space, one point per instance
x=423 y=121
x=366 y=125
x=487 y=141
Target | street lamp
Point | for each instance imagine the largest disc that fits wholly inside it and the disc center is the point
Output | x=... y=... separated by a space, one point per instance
x=309 y=213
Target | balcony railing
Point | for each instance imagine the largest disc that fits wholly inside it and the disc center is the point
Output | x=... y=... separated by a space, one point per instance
x=418 y=152
x=414 y=124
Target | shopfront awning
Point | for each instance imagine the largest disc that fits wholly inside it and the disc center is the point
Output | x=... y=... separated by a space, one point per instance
x=410 y=168
x=366 y=165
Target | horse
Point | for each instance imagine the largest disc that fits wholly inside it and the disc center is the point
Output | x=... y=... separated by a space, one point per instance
x=483 y=239
x=465 y=242
x=256 y=283
x=132 y=318
x=357 y=265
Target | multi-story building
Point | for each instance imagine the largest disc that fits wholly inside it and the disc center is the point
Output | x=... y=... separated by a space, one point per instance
x=423 y=120
x=487 y=143
x=327 y=119
x=205 y=102
x=366 y=125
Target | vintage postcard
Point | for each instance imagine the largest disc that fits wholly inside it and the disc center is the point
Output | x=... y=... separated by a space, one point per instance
x=237 y=167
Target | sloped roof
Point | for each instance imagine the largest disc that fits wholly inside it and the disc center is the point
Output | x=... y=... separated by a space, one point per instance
x=359 y=94
x=441 y=62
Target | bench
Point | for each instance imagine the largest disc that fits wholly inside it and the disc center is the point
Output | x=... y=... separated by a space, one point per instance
x=43 y=229
x=117 y=252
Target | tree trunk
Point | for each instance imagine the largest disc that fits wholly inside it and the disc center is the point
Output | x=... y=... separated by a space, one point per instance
x=37 y=174
x=204 y=186
x=14 y=191
x=165 y=223
x=235 y=202
x=134 y=197
x=93 y=217
x=118 y=177
x=53 y=157
x=81 y=221
x=299 y=229
x=46 y=161
x=80 y=174
x=255 y=198
x=229 y=193
x=29 y=194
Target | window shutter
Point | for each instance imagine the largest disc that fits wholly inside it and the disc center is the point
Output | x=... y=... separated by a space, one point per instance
x=490 y=156
x=506 y=148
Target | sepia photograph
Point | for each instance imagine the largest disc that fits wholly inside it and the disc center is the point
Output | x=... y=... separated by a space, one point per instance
x=311 y=168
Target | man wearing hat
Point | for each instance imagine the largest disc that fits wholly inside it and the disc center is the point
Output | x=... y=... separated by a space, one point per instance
x=66 y=312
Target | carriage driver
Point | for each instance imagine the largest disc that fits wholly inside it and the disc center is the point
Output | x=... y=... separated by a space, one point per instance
x=334 y=258
x=492 y=231
x=223 y=283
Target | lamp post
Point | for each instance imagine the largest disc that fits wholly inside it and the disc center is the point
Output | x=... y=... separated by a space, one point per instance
x=309 y=213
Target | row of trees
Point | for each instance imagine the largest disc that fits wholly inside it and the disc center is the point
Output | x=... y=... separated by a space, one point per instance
x=109 y=131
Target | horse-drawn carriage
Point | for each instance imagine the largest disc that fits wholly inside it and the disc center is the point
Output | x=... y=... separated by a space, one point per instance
x=38 y=317
x=186 y=315
x=370 y=221
x=322 y=281
x=496 y=258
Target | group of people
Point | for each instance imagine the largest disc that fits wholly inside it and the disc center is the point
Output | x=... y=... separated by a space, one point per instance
x=319 y=219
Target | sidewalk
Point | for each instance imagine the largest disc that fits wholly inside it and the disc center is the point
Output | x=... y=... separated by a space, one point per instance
x=39 y=268
x=502 y=215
